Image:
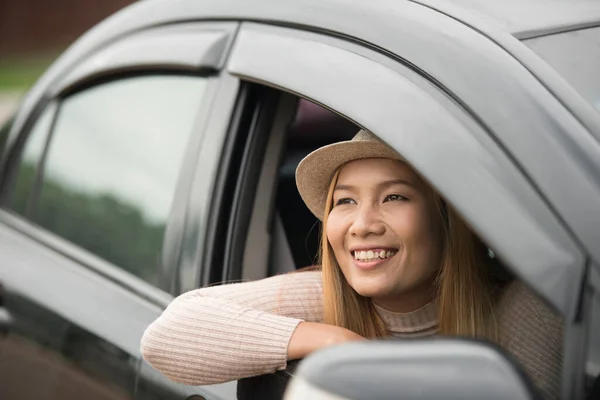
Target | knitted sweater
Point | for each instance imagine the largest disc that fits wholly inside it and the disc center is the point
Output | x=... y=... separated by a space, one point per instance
x=228 y=332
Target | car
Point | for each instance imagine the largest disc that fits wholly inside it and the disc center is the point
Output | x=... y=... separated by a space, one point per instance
x=157 y=155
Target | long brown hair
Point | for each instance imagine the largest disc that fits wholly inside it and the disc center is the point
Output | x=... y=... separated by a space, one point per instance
x=464 y=287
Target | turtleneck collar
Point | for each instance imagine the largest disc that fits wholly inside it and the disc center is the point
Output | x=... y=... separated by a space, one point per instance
x=423 y=319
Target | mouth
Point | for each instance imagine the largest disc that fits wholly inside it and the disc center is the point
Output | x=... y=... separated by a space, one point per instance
x=369 y=258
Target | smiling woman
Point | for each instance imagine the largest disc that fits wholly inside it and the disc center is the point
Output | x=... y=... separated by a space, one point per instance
x=381 y=205
x=396 y=261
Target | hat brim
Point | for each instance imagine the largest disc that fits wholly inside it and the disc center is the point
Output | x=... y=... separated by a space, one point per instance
x=315 y=171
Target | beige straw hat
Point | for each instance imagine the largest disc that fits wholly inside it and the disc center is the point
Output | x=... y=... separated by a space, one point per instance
x=315 y=171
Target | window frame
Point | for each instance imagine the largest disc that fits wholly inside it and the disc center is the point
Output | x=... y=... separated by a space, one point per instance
x=288 y=59
x=195 y=244
x=248 y=237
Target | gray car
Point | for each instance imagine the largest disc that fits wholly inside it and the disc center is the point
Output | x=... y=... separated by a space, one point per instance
x=157 y=155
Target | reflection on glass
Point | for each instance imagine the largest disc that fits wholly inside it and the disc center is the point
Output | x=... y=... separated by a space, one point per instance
x=47 y=357
x=112 y=167
x=576 y=56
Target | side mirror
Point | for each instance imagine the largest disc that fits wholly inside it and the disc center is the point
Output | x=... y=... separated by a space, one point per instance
x=451 y=369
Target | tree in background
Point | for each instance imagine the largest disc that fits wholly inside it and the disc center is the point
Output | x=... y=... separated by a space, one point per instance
x=100 y=223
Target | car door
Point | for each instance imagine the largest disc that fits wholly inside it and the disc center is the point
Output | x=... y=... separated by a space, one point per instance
x=491 y=175
x=93 y=195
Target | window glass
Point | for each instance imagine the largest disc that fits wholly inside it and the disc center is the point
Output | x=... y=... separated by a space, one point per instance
x=32 y=153
x=576 y=56
x=4 y=131
x=112 y=167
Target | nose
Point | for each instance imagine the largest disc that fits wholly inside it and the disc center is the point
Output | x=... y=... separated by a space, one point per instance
x=367 y=221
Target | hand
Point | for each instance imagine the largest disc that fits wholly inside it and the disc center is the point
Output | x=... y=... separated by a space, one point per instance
x=312 y=336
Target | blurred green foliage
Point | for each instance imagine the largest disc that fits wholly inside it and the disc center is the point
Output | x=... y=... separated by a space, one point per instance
x=20 y=73
x=102 y=224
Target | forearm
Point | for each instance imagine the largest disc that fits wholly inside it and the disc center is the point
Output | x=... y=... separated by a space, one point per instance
x=227 y=332
x=202 y=341
x=312 y=336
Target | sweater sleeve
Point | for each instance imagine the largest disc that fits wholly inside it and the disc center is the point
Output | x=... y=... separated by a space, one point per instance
x=228 y=332
x=532 y=333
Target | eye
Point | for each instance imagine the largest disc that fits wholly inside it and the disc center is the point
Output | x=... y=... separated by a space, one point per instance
x=345 y=200
x=394 y=197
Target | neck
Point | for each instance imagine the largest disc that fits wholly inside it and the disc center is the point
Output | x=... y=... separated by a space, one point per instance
x=408 y=301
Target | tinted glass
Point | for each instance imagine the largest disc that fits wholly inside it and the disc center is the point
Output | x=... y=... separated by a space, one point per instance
x=4 y=131
x=112 y=166
x=576 y=56
x=32 y=154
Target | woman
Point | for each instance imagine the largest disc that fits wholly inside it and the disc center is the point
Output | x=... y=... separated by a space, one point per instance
x=395 y=261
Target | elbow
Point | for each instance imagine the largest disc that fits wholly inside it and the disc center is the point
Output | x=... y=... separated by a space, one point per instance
x=166 y=358
x=150 y=349
x=172 y=351
x=158 y=353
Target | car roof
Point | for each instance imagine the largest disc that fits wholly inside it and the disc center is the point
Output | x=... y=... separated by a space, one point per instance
x=524 y=18
x=521 y=18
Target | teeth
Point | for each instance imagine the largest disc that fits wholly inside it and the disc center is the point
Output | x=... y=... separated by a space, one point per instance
x=371 y=255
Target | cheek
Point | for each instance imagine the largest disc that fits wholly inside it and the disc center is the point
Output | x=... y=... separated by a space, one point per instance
x=332 y=229
x=335 y=232
x=418 y=228
x=432 y=225
x=409 y=223
x=428 y=238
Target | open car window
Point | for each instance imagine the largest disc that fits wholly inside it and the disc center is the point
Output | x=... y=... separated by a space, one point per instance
x=498 y=201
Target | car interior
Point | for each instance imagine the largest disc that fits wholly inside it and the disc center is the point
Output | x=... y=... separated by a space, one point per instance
x=282 y=235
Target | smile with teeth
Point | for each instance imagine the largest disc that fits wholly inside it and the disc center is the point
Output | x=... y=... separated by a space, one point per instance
x=372 y=255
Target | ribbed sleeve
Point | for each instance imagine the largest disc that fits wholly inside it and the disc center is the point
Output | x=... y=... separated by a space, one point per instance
x=223 y=333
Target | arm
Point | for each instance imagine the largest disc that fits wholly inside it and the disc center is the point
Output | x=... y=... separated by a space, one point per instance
x=228 y=332
x=532 y=333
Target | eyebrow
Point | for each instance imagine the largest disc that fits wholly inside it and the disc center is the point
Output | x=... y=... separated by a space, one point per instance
x=379 y=185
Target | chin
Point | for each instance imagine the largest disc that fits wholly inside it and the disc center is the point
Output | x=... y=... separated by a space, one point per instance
x=367 y=289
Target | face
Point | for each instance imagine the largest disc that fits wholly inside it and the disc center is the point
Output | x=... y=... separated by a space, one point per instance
x=385 y=231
